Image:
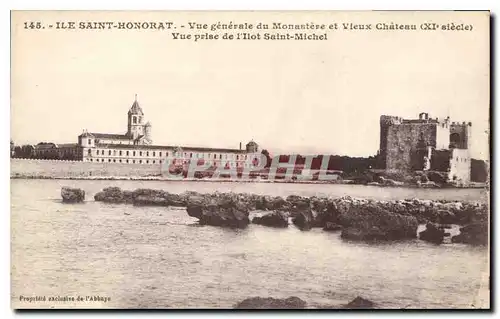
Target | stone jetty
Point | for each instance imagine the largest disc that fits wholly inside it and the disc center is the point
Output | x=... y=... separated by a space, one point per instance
x=357 y=219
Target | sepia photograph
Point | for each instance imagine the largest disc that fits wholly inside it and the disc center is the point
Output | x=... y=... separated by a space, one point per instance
x=250 y=160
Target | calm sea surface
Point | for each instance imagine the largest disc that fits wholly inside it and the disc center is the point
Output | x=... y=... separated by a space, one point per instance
x=156 y=257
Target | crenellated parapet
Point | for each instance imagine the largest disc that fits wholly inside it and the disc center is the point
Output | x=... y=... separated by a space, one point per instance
x=387 y=120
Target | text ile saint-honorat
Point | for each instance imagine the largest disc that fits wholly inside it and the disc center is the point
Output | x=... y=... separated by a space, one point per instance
x=196 y=26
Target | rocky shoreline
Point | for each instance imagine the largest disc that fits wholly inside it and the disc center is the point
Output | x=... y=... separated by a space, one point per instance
x=387 y=183
x=298 y=303
x=356 y=219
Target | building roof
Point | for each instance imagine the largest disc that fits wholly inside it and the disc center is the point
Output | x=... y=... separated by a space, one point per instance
x=67 y=145
x=110 y=136
x=136 y=108
x=86 y=134
x=172 y=147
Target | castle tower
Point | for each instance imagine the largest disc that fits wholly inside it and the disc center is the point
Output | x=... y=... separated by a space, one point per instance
x=252 y=147
x=460 y=135
x=385 y=122
x=135 y=127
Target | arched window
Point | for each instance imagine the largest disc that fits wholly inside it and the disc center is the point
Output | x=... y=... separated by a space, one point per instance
x=134 y=119
x=454 y=139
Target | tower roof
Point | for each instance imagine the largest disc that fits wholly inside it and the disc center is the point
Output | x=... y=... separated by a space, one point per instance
x=135 y=109
x=251 y=143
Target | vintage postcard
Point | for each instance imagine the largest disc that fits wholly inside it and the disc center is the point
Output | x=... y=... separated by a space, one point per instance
x=250 y=160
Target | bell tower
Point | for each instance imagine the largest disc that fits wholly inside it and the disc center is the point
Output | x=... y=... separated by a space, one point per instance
x=135 y=127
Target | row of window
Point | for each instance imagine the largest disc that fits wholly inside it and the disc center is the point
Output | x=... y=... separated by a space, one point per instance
x=114 y=160
x=175 y=154
x=133 y=161
x=127 y=153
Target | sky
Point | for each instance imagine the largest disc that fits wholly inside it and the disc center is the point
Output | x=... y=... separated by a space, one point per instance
x=305 y=97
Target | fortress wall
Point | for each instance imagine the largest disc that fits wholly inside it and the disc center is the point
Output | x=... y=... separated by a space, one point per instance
x=442 y=137
x=402 y=140
x=460 y=165
x=60 y=169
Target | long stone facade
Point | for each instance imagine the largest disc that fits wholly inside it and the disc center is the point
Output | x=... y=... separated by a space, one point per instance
x=136 y=147
x=426 y=144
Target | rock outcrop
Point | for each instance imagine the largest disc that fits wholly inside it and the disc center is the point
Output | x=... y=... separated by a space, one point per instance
x=360 y=303
x=370 y=222
x=432 y=233
x=224 y=212
x=389 y=219
x=473 y=234
x=271 y=303
x=72 y=195
x=329 y=226
x=275 y=219
x=304 y=220
x=114 y=195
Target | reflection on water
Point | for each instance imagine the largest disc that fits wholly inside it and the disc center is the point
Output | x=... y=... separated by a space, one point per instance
x=157 y=257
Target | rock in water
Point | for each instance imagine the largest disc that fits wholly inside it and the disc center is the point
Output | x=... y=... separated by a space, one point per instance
x=329 y=226
x=304 y=220
x=110 y=195
x=271 y=303
x=360 y=303
x=224 y=212
x=432 y=234
x=72 y=195
x=149 y=197
x=274 y=219
x=474 y=234
x=367 y=221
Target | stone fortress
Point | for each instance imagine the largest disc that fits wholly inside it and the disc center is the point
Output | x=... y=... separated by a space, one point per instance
x=426 y=144
x=136 y=147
